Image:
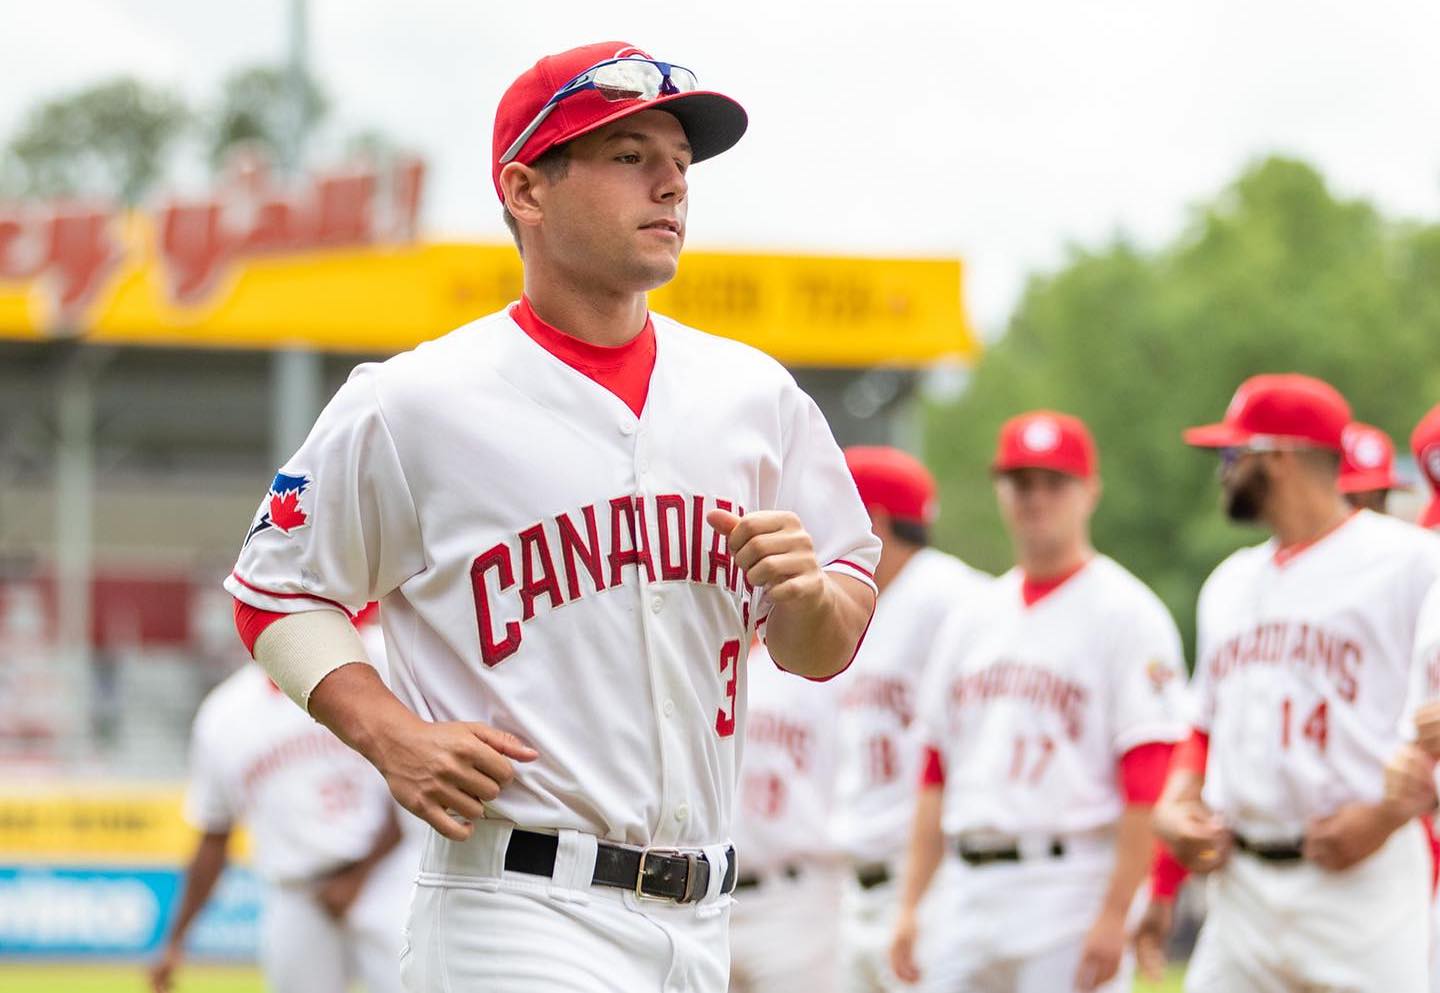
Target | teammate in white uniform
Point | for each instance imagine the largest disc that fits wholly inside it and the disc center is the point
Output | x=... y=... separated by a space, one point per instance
x=1303 y=655
x=783 y=934
x=1050 y=712
x=326 y=836
x=1367 y=468
x=878 y=734
x=576 y=515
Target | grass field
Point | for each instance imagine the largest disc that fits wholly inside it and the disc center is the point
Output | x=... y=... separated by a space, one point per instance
x=206 y=979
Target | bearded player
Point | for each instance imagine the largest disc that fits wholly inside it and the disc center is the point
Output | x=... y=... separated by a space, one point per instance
x=576 y=515
x=1052 y=707
x=1318 y=880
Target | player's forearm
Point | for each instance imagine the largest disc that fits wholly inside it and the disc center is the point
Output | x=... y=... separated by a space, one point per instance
x=818 y=637
x=386 y=841
x=927 y=848
x=1134 y=843
x=1182 y=790
x=354 y=703
x=200 y=876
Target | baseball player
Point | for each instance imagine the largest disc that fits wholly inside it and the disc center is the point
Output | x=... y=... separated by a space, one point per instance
x=1367 y=468
x=576 y=515
x=783 y=934
x=327 y=842
x=1051 y=709
x=1318 y=881
x=1425 y=445
x=878 y=735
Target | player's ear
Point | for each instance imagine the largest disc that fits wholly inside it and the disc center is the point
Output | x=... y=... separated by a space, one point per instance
x=524 y=194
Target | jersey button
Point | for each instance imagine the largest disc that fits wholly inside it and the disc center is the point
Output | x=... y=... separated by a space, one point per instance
x=657 y=604
x=682 y=812
x=627 y=428
x=668 y=707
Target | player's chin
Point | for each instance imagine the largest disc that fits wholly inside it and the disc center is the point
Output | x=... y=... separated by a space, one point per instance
x=651 y=270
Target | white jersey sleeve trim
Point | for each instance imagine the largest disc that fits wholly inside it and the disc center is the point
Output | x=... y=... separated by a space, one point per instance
x=277 y=601
x=1159 y=732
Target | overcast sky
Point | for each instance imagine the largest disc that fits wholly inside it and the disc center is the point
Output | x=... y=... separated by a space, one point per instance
x=996 y=132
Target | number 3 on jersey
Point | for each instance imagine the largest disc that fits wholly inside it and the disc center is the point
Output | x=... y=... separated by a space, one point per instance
x=730 y=673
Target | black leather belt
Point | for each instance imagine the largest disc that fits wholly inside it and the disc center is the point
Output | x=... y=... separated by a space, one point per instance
x=872 y=875
x=651 y=873
x=989 y=856
x=750 y=880
x=1272 y=851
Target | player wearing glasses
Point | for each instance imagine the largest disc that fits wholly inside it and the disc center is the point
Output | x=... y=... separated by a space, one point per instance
x=1317 y=880
x=577 y=514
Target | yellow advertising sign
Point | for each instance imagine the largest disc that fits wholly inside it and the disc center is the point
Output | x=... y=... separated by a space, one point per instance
x=155 y=282
x=98 y=823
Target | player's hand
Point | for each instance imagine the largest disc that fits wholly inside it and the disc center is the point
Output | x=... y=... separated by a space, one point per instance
x=1350 y=835
x=337 y=891
x=776 y=552
x=1410 y=780
x=1427 y=728
x=1198 y=838
x=1152 y=937
x=1103 y=950
x=433 y=768
x=162 y=971
x=902 y=947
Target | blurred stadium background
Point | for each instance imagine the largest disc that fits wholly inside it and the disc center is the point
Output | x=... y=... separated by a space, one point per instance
x=184 y=280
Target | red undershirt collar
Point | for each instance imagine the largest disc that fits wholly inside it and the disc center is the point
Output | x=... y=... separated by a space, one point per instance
x=1288 y=554
x=1032 y=591
x=624 y=370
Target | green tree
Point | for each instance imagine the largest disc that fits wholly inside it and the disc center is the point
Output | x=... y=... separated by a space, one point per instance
x=109 y=140
x=1275 y=274
x=256 y=107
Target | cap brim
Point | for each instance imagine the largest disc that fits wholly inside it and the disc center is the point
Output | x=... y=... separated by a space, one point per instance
x=1365 y=482
x=1216 y=436
x=1431 y=517
x=713 y=122
x=1038 y=462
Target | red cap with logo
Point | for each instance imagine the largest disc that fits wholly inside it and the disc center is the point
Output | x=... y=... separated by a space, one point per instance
x=895 y=481
x=1367 y=461
x=1285 y=407
x=1044 y=439
x=712 y=122
x=1425 y=444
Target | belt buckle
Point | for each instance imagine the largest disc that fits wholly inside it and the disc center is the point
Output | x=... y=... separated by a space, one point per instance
x=691 y=860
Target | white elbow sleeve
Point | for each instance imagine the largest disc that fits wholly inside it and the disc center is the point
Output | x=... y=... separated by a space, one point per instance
x=301 y=649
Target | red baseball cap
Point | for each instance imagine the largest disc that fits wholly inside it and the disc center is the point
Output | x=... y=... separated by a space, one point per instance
x=712 y=122
x=1043 y=439
x=1425 y=444
x=895 y=481
x=1279 y=407
x=1367 y=460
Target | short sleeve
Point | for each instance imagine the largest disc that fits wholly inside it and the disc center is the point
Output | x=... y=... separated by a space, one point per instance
x=816 y=485
x=1425 y=660
x=338 y=526
x=1149 y=677
x=208 y=804
x=1200 y=694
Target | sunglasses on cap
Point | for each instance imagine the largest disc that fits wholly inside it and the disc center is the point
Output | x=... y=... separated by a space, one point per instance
x=616 y=80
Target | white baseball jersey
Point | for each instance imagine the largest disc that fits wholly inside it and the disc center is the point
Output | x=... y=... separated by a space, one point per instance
x=878 y=736
x=544 y=562
x=1032 y=707
x=787 y=775
x=310 y=803
x=1425 y=660
x=1303 y=668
